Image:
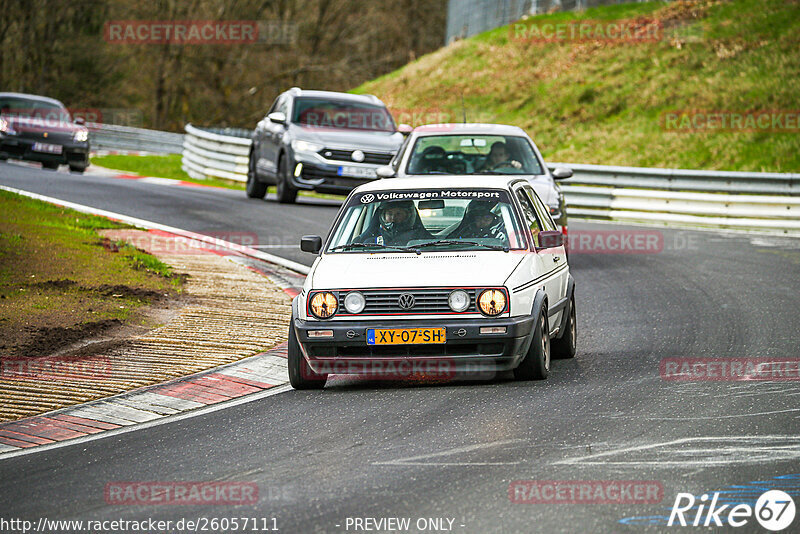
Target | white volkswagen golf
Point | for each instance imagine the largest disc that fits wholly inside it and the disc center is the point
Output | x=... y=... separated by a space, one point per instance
x=432 y=276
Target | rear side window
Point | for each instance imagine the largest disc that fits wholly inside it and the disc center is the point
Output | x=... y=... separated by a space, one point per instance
x=541 y=212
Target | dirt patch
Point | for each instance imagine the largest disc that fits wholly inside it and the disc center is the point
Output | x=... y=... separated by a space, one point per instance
x=47 y=340
x=123 y=291
x=54 y=284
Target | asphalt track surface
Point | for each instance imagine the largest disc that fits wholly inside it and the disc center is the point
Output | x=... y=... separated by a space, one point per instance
x=367 y=449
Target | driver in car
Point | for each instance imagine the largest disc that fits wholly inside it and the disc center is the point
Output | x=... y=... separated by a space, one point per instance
x=395 y=223
x=480 y=222
x=499 y=157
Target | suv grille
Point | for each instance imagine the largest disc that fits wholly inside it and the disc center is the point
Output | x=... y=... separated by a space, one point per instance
x=376 y=158
x=386 y=302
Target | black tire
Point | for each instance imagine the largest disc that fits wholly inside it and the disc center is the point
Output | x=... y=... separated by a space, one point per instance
x=284 y=191
x=254 y=188
x=564 y=347
x=50 y=165
x=77 y=169
x=301 y=376
x=3 y=157
x=536 y=364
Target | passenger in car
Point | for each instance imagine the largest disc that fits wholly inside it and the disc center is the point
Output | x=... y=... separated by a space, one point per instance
x=394 y=223
x=480 y=222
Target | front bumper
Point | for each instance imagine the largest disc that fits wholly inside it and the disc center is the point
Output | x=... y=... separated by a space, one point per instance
x=325 y=177
x=72 y=153
x=466 y=350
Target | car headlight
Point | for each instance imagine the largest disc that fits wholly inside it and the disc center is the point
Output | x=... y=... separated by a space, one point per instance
x=323 y=305
x=354 y=302
x=492 y=302
x=81 y=136
x=458 y=300
x=305 y=146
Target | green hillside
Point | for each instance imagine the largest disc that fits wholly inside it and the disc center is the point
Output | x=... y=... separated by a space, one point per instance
x=604 y=101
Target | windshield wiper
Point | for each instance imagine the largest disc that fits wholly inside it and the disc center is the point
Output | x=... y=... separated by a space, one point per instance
x=462 y=242
x=350 y=246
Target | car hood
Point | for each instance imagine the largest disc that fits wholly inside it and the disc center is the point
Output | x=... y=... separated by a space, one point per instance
x=543 y=185
x=335 y=137
x=27 y=124
x=429 y=269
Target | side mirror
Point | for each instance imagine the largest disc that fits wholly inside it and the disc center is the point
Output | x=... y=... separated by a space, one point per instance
x=562 y=173
x=277 y=117
x=311 y=243
x=405 y=129
x=550 y=239
x=80 y=121
x=385 y=171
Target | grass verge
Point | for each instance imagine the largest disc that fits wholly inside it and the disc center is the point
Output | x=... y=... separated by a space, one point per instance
x=59 y=280
x=603 y=102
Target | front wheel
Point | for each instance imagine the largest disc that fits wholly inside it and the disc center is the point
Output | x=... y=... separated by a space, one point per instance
x=284 y=191
x=565 y=346
x=536 y=364
x=254 y=188
x=301 y=376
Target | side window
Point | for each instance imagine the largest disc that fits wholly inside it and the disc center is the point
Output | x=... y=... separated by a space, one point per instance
x=541 y=210
x=530 y=215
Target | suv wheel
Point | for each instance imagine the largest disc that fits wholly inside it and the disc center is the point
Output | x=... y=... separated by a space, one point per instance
x=285 y=192
x=254 y=188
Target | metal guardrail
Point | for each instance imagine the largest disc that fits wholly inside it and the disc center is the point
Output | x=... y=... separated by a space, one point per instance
x=113 y=137
x=714 y=199
x=211 y=155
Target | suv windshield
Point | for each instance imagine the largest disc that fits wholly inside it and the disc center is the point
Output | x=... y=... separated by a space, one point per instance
x=441 y=219
x=473 y=154
x=327 y=113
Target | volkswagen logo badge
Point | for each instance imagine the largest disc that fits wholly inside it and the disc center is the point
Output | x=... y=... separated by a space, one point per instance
x=406 y=301
x=366 y=199
x=357 y=155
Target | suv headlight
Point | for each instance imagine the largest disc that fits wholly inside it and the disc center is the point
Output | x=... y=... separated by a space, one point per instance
x=492 y=302
x=305 y=146
x=81 y=136
x=323 y=305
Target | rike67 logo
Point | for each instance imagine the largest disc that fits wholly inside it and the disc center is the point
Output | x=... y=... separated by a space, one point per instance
x=774 y=510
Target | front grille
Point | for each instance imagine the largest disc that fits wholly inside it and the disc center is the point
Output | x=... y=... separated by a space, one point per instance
x=385 y=302
x=56 y=138
x=375 y=158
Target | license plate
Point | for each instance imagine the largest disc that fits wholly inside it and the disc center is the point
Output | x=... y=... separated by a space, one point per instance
x=357 y=172
x=405 y=336
x=47 y=147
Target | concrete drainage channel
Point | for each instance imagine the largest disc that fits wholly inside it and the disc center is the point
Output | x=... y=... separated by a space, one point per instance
x=210 y=352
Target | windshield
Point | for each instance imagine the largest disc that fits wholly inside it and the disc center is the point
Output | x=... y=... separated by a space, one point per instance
x=326 y=113
x=473 y=154
x=32 y=109
x=441 y=219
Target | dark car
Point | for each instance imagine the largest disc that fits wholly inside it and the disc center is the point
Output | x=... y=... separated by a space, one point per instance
x=37 y=128
x=320 y=141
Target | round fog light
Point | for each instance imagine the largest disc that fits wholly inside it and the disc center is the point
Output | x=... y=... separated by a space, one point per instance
x=458 y=300
x=354 y=302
